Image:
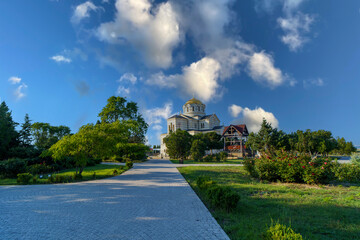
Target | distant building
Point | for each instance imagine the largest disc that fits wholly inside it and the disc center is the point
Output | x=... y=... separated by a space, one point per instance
x=235 y=137
x=193 y=120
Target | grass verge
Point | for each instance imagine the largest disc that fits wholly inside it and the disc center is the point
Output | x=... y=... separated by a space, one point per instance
x=101 y=171
x=316 y=212
x=229 y=161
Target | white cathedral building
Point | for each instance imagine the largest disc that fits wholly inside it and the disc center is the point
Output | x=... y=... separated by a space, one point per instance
x=193 y=119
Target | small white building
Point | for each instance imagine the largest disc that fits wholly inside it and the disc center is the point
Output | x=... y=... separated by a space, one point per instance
x=193 y=120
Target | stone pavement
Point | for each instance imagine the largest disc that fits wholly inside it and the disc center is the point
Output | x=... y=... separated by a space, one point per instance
x=150 y=201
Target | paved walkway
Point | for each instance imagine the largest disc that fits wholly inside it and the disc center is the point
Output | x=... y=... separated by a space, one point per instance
x=150 y=201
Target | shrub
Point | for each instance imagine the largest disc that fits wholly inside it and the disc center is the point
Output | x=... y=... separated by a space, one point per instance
x=34 y=180
x=40 y=169
x=94 y=175
x=208 y=158
x=250 y=167
x=223 y=156
x=115 y=172
x=223 y=197
x=347 y=173
x=24 y=178
x=77 y=176
x=204 y=182
x=355 y=159
x=13 y=167
x=281 y=232
x=217 y=157
x=51 y=179
x=129 y=164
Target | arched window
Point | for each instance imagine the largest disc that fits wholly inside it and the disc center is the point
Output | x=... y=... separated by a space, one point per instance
x=187 y=109
x=193 y=108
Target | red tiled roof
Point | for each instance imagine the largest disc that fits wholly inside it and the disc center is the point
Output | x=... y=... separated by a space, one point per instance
x=241 y=128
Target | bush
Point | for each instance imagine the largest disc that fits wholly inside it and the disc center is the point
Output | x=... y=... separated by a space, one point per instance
x=77 y=176
x=34 y=180
x=115 y=172
x=217 y=157
x=355 y=159
x=129 y=164
x=287 y=167
x=12 y=167
x=223 y=197
x=223 y=156
x=347 y=173
x=204 y=182
x=40 y=169
x=208 y=158
x=281 y=232
x=24 y=178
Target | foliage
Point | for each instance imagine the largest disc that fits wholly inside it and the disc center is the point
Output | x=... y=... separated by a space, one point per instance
x=178 y=144
x=347 y=173
x=24 y=178
x=212 y=140
x=223 y=197
x=204 y=182
x=118 y=109
x=344 y=147
x=40 y=169
x=12 y=167
x=197 y=150
x=8 y=134
x=133 y=151
x=129 y=164
x=92 y=141
x=355 y=159
x=25 y=132
x=288 y=167
x=281 y=232
x=223 y=156
x=46 y=135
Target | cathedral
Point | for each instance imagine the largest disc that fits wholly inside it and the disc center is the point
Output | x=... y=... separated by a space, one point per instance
x=193 y=119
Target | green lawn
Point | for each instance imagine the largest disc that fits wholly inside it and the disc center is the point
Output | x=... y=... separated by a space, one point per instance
x=101 y=170
x=229 y=161
x=317 y=212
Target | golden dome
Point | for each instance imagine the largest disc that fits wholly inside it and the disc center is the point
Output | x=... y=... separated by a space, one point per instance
x=193 y=101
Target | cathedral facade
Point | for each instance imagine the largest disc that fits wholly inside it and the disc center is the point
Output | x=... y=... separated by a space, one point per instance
x=193 y=120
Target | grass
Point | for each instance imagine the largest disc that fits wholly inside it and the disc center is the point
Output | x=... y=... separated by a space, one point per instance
x=316 y=212
x=116 y=161
x=101 y=170
x=229 y=161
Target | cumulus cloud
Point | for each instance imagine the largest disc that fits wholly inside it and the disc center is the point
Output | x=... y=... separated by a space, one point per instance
x=157 y=128
x=123 y=91
x=128 y=77
x=153 y=30
x=82 y=11
x=14 y=80
x=295 y=28
x=18 y=93
x=261 y=68
x=252 y=117
x=155 y=116
x=60 y=58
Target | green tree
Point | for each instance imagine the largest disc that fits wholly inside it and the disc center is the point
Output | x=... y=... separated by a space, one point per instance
x=197 y=150
x=8 y=134
x=25 y=132
x=178 y=144
x=267 y=139
x=212 y=141
x=117 y=108
x=98 y=141
x=46 y=135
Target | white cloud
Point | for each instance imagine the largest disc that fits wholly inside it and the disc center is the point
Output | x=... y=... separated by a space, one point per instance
x=153 y=31
x=18 y=93
x=318 y=82
x=157 y=127
x=82 y=11
x=14 y=80
x=261 y=68
x=200 y=78
x=252 y=117
x=128 y=77
x=295 y=28
x=155 y=116
x=123 y=91
x=60 y=58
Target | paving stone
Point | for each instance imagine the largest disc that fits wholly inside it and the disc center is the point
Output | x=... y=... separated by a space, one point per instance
x=150 y=201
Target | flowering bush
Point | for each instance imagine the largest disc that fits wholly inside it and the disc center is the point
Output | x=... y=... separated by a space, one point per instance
x=288 y=167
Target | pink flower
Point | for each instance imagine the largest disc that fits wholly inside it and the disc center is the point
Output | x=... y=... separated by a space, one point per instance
x=325 y=163
x=322 y=167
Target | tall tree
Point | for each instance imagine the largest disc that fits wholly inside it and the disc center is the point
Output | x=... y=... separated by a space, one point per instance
x=25 y=132
x=8 y=134
x=212 y=141
x=46 y=135
x=117 y=108
x=178 y=144
x=197 y=149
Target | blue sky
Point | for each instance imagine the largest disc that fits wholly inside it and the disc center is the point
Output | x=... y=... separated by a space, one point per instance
x=294 y=62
